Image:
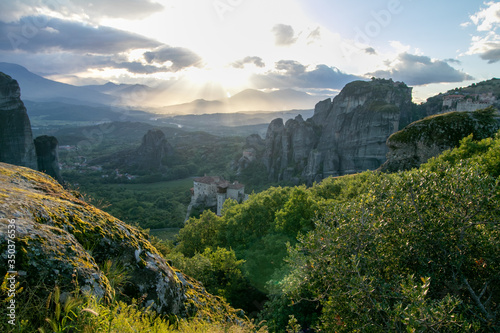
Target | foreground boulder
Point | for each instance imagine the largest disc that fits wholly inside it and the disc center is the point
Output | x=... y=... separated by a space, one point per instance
x=61 y=240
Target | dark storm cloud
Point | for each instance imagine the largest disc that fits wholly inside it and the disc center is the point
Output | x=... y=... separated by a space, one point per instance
x=284 y=34
x=419 y=70
x=179 y=57
x=257 y=61
x=291 y=67
x=492 y=55
x=42 y=34
x=91 y=10
x=292 y=74
x=137 y=67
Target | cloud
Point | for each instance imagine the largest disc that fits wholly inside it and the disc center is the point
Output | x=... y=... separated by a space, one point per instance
x=257 y=61
x=487 y=21
x=290 y=67
x=315 y=34
x=488 y=18
x=84 y=9
x=292 y=74
x=43 y=34
x=137 y=67
x=284 y=35
x=492 y=55
x=453 y=61
x=419 y=70
x=370 y=50
x=179 y=57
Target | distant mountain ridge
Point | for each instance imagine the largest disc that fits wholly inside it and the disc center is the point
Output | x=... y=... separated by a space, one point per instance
x=36 y=88
x=247 y=100
x=39 y=89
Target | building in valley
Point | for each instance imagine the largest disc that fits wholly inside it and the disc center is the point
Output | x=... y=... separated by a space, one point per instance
x=211 y=193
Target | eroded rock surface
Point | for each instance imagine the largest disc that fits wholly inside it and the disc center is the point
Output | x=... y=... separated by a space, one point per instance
x=344 y=136
x=61 y=240
x=16 y=139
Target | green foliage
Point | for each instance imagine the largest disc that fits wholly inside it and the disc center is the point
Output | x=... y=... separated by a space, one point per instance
x=199 y=234
x=152 y=206
x=485 y=153
x=297 y=213
x=360 y=262
x=220 y=272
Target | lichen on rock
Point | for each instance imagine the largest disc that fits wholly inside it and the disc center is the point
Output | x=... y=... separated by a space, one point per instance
x=62 y=240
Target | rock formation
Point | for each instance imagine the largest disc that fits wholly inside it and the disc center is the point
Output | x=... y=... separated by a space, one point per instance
x=150 y=156
x=429 y=137
x=254 y=146
x=47 y=156
x=153 y=151
x=346 y=135
x=61 y=240
x=16 y=139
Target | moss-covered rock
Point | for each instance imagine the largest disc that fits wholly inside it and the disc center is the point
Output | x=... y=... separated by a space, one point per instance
x=426 y=138
x=61 y=240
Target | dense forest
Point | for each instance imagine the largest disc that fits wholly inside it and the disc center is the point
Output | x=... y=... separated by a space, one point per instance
x=410 y=251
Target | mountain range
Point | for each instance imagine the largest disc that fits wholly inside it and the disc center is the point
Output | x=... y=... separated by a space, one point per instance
x=36 y=88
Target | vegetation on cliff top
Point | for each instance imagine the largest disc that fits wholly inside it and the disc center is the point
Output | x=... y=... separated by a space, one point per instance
x=448 y=129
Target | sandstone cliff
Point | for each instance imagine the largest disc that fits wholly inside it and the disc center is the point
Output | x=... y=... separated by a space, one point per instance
x=429 y=137
x=61 y=240
x=16 y=139
x=346 y=135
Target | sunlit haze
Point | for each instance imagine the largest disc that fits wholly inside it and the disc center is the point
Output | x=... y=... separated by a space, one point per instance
x=186 y=50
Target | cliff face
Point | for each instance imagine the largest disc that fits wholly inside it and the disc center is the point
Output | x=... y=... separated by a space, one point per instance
x=16 y=139
x=153 y=150
x=59 y=238
x=48 y=157
x=429 y=137
x=346 y=135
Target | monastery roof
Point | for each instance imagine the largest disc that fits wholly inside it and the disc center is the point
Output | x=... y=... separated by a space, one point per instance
x=453 y=96
x=219 y=181
x=209 y=180
x=235 y=186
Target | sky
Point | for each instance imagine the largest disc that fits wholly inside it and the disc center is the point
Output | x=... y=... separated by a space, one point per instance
x=213 y=49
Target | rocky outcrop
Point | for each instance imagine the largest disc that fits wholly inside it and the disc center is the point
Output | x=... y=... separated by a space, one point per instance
x=253 y=149
x=61 y=240
x=150 y=157
x=429 y=137
x=344 y=136
x=153 y=151
x=16 y=139
x=47 y=156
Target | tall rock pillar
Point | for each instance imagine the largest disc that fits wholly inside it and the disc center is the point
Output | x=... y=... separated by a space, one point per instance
x=16 y=139
x=47 y=157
